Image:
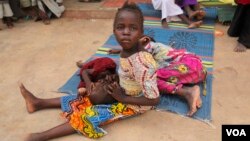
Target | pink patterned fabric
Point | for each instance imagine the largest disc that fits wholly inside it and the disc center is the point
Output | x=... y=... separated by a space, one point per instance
x=176 y=67
x=186 y=68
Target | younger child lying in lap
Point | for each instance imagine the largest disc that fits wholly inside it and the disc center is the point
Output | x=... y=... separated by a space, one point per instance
x=97 y=91
x=95 y=76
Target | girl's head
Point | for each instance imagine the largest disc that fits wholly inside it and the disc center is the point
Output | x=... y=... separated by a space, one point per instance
x=128 y=25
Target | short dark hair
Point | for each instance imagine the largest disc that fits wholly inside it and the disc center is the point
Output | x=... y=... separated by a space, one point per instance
x=132 y=7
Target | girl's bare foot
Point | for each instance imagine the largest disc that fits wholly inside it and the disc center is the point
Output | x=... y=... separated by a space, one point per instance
x=195 y=24
x=79 y=64
x=192 y=95
x=164 y=23
x=193 y=98
x=240 y=48
x=30 y=99
x=34 y=137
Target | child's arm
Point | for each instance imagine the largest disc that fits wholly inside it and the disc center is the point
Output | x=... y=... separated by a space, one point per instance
x=87 y=80
x=114 y=51
x=118 y=93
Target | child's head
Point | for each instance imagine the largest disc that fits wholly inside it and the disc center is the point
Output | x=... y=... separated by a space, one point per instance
x=103 y=66
x=128 y=25
x=105 y=73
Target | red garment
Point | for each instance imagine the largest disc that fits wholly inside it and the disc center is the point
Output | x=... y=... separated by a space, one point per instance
x=98 y=65
x=243 y=2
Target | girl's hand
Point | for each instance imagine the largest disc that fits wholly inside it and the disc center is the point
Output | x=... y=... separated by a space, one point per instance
x=144 y=41
x=116 y=91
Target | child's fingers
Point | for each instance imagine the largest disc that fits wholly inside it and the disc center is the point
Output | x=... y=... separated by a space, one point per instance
x=114 y=51
x=116 y=84
x=109 y=89
x=144 y=39
x=109 y=92
x=113 y=77
x=108 y=77
x=111 y=51
x=113 y=85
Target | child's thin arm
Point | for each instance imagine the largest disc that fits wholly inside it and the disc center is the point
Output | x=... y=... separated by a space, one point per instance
x=117 y=92
x=140 y=101
x=87 y=80
x=114 y=51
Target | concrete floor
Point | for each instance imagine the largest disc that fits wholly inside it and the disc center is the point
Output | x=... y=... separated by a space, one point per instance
x=43 y=57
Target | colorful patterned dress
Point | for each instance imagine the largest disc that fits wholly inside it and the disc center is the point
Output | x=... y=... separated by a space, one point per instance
x=175 y=67
x=137 y=75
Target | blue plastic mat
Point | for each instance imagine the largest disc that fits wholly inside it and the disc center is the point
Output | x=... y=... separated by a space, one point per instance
x=199 y=41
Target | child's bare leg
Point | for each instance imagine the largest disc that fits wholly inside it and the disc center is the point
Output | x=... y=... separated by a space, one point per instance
x=192 y=95
x=190 y=23
x=164 y=23
x=58 y=131
x=34 y=104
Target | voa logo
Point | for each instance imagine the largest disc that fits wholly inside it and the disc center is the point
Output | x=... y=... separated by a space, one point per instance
x=236 y=132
